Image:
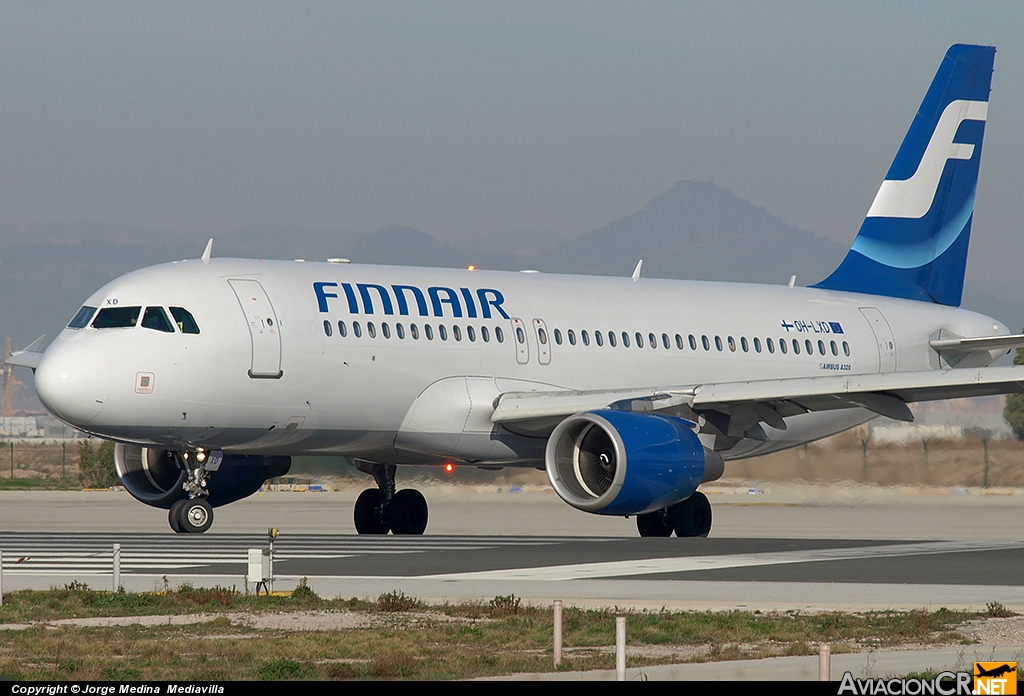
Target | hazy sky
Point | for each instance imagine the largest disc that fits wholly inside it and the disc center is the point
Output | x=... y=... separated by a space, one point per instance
x=465 y=119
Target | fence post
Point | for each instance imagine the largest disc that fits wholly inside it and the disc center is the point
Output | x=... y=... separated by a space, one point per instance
x=117 y=567
x=558 y=632
x=825 y=662
x=620 y=648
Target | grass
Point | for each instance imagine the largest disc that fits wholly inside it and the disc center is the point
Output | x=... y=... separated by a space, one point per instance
x=402 y=638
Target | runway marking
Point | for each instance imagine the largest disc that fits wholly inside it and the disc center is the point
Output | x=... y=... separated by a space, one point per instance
x=653 y=566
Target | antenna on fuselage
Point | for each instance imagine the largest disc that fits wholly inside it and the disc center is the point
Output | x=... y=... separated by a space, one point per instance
x=208 y=251
x=792 y=278
x=636 y=271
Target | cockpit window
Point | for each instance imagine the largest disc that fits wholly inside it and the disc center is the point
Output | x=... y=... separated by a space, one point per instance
x=156 y=318
x=183 y=318
x=116 y=317
x=81 y=319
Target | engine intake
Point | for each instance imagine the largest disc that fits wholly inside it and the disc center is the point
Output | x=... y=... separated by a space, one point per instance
x=622 y=463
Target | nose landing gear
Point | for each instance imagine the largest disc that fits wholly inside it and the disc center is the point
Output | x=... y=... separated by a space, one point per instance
x=383 y=509
x=193 y=515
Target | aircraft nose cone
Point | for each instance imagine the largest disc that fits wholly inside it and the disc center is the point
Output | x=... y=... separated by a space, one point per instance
x=73 y=383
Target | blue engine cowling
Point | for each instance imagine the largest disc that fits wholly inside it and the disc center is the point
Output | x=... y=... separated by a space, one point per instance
x=622 y=463
x=153 y=476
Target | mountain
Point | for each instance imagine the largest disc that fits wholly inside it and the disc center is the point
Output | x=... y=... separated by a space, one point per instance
x=695 y=230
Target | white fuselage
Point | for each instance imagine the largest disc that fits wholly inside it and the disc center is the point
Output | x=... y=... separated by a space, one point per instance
x=281 y=385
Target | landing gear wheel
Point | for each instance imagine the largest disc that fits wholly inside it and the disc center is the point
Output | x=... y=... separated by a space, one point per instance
x=195 y=516
x=692 y=517
x=367 y=512
x=174 y=516
x=655 y=524
x=408 y=512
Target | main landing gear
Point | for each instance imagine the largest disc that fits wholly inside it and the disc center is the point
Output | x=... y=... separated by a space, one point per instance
x=687 y=518
x=194 y=514
x=383 y=509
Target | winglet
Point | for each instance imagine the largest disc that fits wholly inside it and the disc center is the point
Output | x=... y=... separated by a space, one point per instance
x=636 y=271
x=209 y=251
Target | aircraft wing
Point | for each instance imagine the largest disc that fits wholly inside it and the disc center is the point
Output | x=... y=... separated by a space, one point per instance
x=769 y=401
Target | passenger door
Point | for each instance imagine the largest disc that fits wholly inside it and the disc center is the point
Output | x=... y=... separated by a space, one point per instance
x=264 y=330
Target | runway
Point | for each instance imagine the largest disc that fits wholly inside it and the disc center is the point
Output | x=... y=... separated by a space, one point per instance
x=963 y=551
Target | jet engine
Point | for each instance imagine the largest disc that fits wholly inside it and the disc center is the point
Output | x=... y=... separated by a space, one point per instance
x=621 y=463
x=155 y=476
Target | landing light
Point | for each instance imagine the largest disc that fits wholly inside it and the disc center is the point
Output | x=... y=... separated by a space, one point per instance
x=200 y=456
x=472 y=267
x=449 y=467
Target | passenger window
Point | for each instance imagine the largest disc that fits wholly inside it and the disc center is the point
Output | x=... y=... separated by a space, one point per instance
x=428 y=332
x=342 y=331
x=598 y=338
x=611 y=338
x=639 y=340
x=357 y=330
x=558 y=337
x=485 y=334
x=572 y=337
x=183 y=318
x=796 y=347
x=757 y=345
x=846 y=349
x=156 y=318
x=499 y=335
x=116 y=318
x=456 y=333
x=520 y=336
x=385 y=329
x=414 y=331
x=771 y=345
x=835 y=350
x=471 y=333
x=400 y=331
x=442 y=332
x=585 y=337
x=652 y=341
x=744 y=345
x=821 y=347
x=625 y=340
x=664 y=341
x=679 y=342
x=542 y=336
x=782 y=346
x=327 y=325
x=732 y=343
x=705 y=342
x=718 y=343
x=81 y=319
x=809 y=347
x=371 y=330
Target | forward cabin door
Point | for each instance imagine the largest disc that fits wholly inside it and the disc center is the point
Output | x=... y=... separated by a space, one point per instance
x=263 y=328
x=540 y=332
x=519 y=336
x=883 y=338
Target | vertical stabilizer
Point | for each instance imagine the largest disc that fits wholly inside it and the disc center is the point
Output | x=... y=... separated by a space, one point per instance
x=913 y=242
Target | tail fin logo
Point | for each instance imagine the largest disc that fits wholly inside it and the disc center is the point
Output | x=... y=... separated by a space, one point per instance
x=913 y=197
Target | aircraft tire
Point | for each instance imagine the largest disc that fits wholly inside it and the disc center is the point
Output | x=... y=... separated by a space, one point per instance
x=408 y=512
x=174 y=516
x=195 y=516
x=655 y=524
x=692 y=517
x=365 y=512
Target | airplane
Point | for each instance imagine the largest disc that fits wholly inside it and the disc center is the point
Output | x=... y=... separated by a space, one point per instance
x=210 y=374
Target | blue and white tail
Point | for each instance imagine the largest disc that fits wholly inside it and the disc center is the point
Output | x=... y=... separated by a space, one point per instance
x=913 y=242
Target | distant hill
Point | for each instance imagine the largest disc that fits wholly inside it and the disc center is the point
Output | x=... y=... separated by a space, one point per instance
x=695 y=230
